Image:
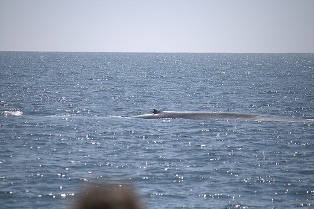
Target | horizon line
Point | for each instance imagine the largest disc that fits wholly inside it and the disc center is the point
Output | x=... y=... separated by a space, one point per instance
x=152 y=52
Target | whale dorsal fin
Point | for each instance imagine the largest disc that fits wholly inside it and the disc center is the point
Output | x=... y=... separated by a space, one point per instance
x=155 y=111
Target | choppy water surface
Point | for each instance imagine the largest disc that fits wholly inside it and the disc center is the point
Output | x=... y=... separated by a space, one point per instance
x=59 y=133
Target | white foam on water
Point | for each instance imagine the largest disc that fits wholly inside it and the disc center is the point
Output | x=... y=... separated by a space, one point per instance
x=12 y=113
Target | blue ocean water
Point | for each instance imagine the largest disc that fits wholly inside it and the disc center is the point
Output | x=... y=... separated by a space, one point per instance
x=58 y=133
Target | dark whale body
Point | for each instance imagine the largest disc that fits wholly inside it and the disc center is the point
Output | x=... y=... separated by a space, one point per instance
x=215 y=116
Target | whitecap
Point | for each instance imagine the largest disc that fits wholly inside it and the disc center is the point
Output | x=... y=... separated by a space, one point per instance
x=12 y=113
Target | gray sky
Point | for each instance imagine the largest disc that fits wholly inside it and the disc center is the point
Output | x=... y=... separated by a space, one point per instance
x=235 y=26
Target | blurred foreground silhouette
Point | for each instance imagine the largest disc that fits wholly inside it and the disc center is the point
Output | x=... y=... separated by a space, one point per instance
x=112 y=196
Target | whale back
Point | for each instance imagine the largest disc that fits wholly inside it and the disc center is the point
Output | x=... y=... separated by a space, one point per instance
x=216 y=116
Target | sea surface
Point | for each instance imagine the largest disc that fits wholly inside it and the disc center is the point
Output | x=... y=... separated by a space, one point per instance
x=60 y=128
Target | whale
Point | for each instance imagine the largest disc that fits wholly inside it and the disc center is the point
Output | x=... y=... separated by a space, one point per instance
x=195 y=115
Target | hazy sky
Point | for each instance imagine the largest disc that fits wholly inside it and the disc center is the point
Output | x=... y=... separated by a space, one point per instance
x=157 y=25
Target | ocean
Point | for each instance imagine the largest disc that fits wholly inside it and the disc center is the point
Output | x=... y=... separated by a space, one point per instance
x=65 y=124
